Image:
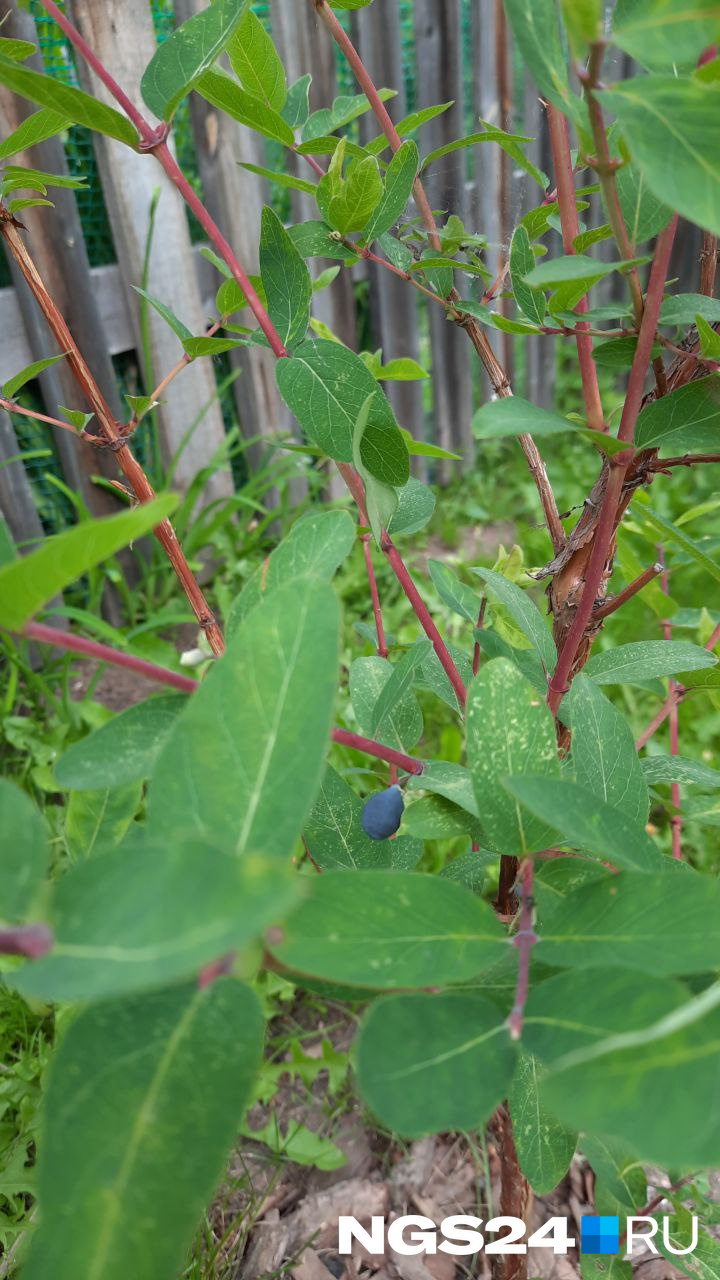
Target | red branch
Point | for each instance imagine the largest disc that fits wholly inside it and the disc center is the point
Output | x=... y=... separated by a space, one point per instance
x=371 y=748
x=103 y=653
x=672 y=699
x=424 y=617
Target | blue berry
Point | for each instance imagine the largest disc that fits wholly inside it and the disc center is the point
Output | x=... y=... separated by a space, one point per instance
x=383 y=813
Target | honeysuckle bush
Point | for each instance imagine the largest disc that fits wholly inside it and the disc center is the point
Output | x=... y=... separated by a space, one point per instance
x=578 y=1010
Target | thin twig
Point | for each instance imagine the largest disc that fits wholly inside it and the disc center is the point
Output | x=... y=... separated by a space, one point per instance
x=684 y=460
x=477 y=652
x=672 y=700
x=708 y=264
x=424 y=618
x=11 y=407
x=371 y=748
x=616 y=602
x=103 y=653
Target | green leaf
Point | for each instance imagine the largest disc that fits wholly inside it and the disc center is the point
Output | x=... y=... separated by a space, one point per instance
x=415 y=507
x=669 y=532
x=28 y=584
x=283 y=179
x=404 y=369
x=100 y=819
x=196 y=348
x=641 y=1097
x=399 y=179
x=454 y=593
x=26 y=375
x=619 y=353
x=682 y=308
x=509 y=731
x=19 y=50
x=314 y=240
x=344 y=110
x=536 y=30
x=433 y=676
x=357 y=198
x=620 y=1181
x=145 y=915
x=512 y=143
x=267 y=708
x=334 y=833
x=644 y=212
x=181 y=60
x=646 y=660
x=686 y=419
x=39 y=126
x=123 y=750
x=389 y=929
x=603 y=752
x=400 y=681
x=665 y=34
x=254 y=60
x=435 y=818
x=326 y=385
x=602 y=1003
x=530 y=301
x=377 y=452
x=402 y=725
x=709 y=338
x=544 y=1147
x=704 y=1259
x=672 y=129
x=524 y=612
x=112 y=1145
x=585 y=821
x=679 y=769
x=315 y=547
x=140 y=406
x=583 y=20
x=285 y=278
x=636 y=921
x=513 y=416
x=432 y=1064
x=24 y=853
x=297 y=107
x=67 y=102
x=177 y=326
x=225 y=93
x=576 y=267
x=452 y=781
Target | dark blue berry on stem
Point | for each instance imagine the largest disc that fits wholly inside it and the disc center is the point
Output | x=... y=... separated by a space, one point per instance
x=383 y=813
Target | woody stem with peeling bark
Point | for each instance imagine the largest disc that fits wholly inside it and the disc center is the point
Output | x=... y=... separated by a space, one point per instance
x=618 y=469
x=128 y=464
x=562 y=160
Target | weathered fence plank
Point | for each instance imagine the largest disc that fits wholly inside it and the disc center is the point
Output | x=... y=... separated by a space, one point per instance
x=438 y=53
x=123 y=37
x=16 y=498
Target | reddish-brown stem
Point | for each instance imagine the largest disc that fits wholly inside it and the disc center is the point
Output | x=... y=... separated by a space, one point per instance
x=111 y=432
x=155 y=140
x=11 y=407
x=181 y=364
x=382 y=648
x=672 y=700
x=31 y=940
x=524 y=940
x=684 y=460
x=606 y=171
x=380 y=111
x=410 y=764
x=103 y=653
x=424 y=618
x=613 y=492
x=562 y=160
x=616 y=602
x=477 y=652
x=658 y=1199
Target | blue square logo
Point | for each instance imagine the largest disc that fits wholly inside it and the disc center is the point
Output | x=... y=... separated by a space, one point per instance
x=600 y=1235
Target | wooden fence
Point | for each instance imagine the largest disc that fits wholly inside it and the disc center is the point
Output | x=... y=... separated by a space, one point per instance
x=459 y=50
